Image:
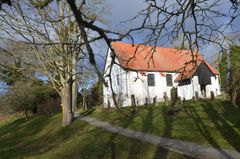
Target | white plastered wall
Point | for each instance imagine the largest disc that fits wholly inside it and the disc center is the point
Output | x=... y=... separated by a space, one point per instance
x=188 y=91
x=135 y=83
x=215 y=87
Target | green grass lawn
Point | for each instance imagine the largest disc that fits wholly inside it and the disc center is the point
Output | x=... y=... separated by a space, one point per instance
x=43 y=137
x=212 y=123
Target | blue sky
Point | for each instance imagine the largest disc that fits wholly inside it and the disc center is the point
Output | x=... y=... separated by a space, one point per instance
x=121 y=10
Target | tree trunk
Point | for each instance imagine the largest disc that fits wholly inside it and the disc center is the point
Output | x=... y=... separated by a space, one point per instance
x=66 y=105
x=26 y=113
x=83 y=103
x=74 y=97
x=74 y=94
x=75 y=82
x=233 y=97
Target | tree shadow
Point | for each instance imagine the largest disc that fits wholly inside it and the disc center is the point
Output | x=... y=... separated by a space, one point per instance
x=101 y=146
x=230 y=113
x=147 y=121
x=148 y=127
x=22 y=127
x=87 y=112
x=202 y=128
x=84 y=113
x=225 y=129
x=22 y=138
x=15 y=134
x=112 y=147
x=124 y=121
x=160 y=152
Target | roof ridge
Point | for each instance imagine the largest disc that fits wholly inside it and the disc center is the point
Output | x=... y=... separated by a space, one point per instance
x=147 y=45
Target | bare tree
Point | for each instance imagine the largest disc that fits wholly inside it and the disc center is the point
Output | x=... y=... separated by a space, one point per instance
x=52 y=35
x=192 y=20
x=166 y=19
x=16 y=57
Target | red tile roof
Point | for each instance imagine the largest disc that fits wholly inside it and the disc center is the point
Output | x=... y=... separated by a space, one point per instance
x=148 y=58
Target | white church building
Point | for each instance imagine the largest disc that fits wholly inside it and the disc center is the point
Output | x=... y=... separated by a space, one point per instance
x=146 y=73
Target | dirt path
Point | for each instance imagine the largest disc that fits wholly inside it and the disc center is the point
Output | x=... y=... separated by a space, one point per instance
x=179 y=146
x=3 y=116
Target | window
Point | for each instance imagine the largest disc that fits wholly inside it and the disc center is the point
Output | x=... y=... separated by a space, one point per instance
x=118 y=80
x=184 y=82
x=169 y=80
x=151 y=79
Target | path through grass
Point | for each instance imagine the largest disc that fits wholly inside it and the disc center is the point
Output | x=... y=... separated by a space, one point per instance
x=43 y=137
x=212 y=123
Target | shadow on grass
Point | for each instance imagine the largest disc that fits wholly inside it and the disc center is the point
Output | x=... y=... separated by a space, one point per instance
x=43 y=137
x=148 y=120
x=222 y=125
x=148 y=127
x=23 y=138
x=85 y=113
x=230 y=113
x=14 y=135
x=110 y=145
x=202 y=127
x=135 y=149
x=22 y=127
x=168 y=120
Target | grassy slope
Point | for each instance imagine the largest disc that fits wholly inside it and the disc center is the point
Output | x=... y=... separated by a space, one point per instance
x=214 y=123
x=43 y=137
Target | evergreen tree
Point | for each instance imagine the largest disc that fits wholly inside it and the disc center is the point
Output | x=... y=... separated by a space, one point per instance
x=234 y=76
x=223 y=70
